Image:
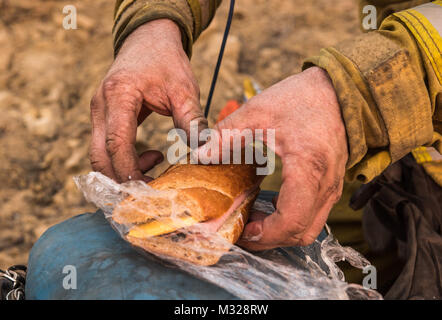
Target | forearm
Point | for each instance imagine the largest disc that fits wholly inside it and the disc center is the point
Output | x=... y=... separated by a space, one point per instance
x=192 y=16
x=388 y=88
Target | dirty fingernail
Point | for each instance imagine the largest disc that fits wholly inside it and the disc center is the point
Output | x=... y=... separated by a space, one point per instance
x=253 y=232
x=147 y=179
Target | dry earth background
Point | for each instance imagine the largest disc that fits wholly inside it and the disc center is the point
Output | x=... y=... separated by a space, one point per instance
x=48 y=75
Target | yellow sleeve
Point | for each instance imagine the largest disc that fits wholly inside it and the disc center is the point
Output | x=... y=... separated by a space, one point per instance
x=388 y=84
x=192 y=16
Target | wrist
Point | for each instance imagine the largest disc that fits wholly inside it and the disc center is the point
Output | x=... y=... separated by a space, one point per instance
x=156 y=32
x=329 y=106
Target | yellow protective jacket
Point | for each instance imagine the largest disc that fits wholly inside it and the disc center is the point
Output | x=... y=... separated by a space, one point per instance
x=388 y=81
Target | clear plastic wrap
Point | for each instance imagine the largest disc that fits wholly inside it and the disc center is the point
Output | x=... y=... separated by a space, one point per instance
x=290 y=273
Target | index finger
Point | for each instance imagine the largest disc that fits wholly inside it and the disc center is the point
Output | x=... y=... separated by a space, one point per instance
x=121 y=128
x=98 y=156
x=286 y=226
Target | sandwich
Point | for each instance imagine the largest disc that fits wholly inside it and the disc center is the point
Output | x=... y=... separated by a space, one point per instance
x=191 y=212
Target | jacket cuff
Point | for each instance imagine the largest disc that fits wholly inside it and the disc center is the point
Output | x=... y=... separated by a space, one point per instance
x=189 y=15
x=130 y=14
x=380 y=84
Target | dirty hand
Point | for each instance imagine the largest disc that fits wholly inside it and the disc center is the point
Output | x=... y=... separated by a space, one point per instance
x=311 y=140
x=150 y=73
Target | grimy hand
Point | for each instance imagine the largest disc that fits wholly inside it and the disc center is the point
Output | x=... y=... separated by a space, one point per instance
x=311 y=141
x=151 y=73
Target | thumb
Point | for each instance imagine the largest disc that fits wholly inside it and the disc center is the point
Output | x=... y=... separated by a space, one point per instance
x=266 y=233
x=238 y=126
x=189 y=116
x=253 y=230
x=292 y=217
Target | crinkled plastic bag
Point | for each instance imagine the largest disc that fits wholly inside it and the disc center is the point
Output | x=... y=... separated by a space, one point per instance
x=284 y=273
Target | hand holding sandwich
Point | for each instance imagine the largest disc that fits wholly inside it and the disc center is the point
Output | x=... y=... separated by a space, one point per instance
x=151 y=73
x=311 y=141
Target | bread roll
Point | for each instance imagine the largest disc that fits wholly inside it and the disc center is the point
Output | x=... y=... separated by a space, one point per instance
x=214 y=198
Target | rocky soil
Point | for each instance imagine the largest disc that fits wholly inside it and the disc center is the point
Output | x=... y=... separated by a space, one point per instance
x=48 y=75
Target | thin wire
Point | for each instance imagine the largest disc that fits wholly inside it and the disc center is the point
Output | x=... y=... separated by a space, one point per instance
x=220 y=58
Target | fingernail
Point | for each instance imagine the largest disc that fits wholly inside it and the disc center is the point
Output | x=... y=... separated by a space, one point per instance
x=253 y=232
x=147 y=179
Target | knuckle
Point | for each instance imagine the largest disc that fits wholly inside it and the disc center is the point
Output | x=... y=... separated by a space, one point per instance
x=97 y=165
x=317 y=166
x=194 y=89
x=94 y=104
x=319 y=163
x=115 y=82
x=294 y=228
x=187 y=114
x=122 y=86
x=226 y=123
x=307 y=240
x=335 y=190
x=113 y=143
x=292 y=240
x=186 y=86
x=96 y=162
x=332 y=189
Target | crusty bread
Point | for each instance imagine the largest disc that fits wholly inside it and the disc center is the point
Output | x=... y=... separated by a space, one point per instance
x=205 y=251
x=206 y=193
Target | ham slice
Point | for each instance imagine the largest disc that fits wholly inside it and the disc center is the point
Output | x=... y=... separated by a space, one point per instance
x=208 y=203
x=214 y=225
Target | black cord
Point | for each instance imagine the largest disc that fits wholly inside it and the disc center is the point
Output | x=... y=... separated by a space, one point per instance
x=220 y=58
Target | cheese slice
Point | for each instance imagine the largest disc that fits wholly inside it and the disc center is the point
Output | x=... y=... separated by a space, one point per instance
x=159 y=227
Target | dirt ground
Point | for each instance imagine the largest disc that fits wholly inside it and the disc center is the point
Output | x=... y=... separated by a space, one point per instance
x=48 y=76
